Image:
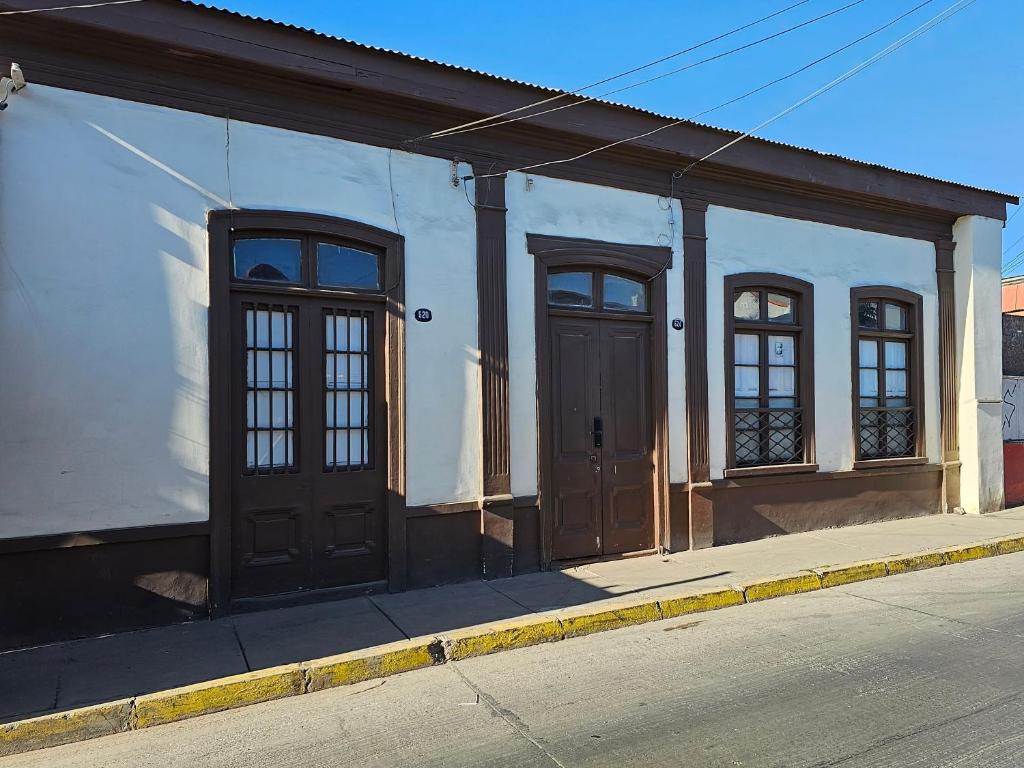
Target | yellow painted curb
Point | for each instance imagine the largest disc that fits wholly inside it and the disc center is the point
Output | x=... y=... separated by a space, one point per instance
x=576 y=623
x=780 y=586
x=217 y=695
x=371 y=663
x=1009 y=545
x=65 y=727
x=967 y=552
x=834 y=576
x=501 y=636
x=918 y=562
x=700 y=602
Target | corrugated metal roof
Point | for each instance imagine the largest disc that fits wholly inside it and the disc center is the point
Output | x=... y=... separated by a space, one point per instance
x=553 y=91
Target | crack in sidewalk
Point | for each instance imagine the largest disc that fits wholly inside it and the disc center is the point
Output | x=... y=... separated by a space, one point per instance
x=511 y=718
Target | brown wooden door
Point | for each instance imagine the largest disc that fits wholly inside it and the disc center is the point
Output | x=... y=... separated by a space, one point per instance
x=627 y=463
x=308 y=448
x=602 y=453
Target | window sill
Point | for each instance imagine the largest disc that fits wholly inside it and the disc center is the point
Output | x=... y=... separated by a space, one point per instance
x=902 y=461
x=771 y=469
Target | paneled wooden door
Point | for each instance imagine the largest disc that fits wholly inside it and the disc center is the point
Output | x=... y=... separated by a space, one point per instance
x=602 y=453
x=308 y=443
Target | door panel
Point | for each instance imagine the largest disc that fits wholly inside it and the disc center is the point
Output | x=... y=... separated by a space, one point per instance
x=602 y=494
x=348 y=490
x=307 y=462
x=575 y=372
x=627 y=463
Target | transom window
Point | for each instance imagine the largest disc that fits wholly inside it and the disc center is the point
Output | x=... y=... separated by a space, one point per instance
x=768 y=367
x=596 y=290
x=887 y=407
x=305 y=261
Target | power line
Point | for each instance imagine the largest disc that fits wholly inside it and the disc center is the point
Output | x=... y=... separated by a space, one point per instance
x=1014 y=214
x=477 y=125
x=1013 y=263
x=69 y=7
x=891 y=48
x=794 y=73
x=1010 y=246
x=577 y=91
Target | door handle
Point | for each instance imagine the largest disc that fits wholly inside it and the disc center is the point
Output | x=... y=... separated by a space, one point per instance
x=598 y=431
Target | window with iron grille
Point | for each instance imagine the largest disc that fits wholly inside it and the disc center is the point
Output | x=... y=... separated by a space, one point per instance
x=768 y=361
x=886 y=366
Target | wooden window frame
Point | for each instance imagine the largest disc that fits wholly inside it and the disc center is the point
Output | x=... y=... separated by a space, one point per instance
x=597 y=275
x=803 y=296
x=223 y=227
x=309 y=263
x=913 y=302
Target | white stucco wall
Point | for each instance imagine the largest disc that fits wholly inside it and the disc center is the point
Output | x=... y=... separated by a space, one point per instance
x=977 y=260
x=104 y=297
x=833 y=259
x=570 y=209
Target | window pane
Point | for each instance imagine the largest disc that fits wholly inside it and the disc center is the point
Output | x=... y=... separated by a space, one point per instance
x=867 y=314
x=781 y=350
x=868 y=353
x=624 y=295
x=341 y=267
x=781 y=382
x=571 y=289
x=747 y=381
x=895 y=384
x=746 y=348
x=868 y=382
x=747 y=305
x=780 y=308
x=895 y=354
x=271 y=259
x=895 y=317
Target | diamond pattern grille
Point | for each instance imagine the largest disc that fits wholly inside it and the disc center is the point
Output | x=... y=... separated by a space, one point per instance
x=769 y=436
x=886 y=433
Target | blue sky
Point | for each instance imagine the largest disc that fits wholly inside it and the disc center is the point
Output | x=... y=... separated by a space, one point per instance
x=949 y=104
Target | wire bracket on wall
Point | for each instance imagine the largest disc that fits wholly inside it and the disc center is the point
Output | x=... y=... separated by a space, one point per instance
x=12 y=84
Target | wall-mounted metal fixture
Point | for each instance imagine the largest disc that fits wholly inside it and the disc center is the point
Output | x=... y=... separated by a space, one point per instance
x=12 y=84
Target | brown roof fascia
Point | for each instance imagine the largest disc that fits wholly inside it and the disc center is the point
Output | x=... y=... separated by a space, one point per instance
x=230 y=47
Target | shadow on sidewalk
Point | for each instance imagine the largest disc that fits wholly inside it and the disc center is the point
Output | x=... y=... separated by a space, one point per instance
x=77 y=673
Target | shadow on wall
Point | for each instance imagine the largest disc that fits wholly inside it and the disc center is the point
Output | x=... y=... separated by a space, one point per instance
x=114 y=295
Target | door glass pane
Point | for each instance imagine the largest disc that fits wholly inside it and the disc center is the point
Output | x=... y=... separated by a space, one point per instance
x=624 y=295
x=867 y=314
x=338 y=266
x=269 y=397
x=274 y=260
x=746 y=305
x=347 y=390
x=571 y=289
x=780 y=308
x=895 y=317
x=895 y=385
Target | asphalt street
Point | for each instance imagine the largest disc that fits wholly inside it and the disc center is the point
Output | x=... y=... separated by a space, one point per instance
x=922 y=669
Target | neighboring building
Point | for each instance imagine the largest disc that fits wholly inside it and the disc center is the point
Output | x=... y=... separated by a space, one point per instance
x=1013 y=389
x=255 y=343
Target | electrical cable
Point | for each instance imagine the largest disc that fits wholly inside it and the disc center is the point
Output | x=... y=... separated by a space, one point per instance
x=69 y=7
x=473 y=126
x=949 y=12
x=578 y=91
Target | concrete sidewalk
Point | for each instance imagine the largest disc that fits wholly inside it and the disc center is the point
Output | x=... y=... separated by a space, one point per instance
x=75 y=674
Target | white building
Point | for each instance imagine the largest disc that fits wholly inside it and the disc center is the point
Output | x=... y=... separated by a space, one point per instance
x=256 y=343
